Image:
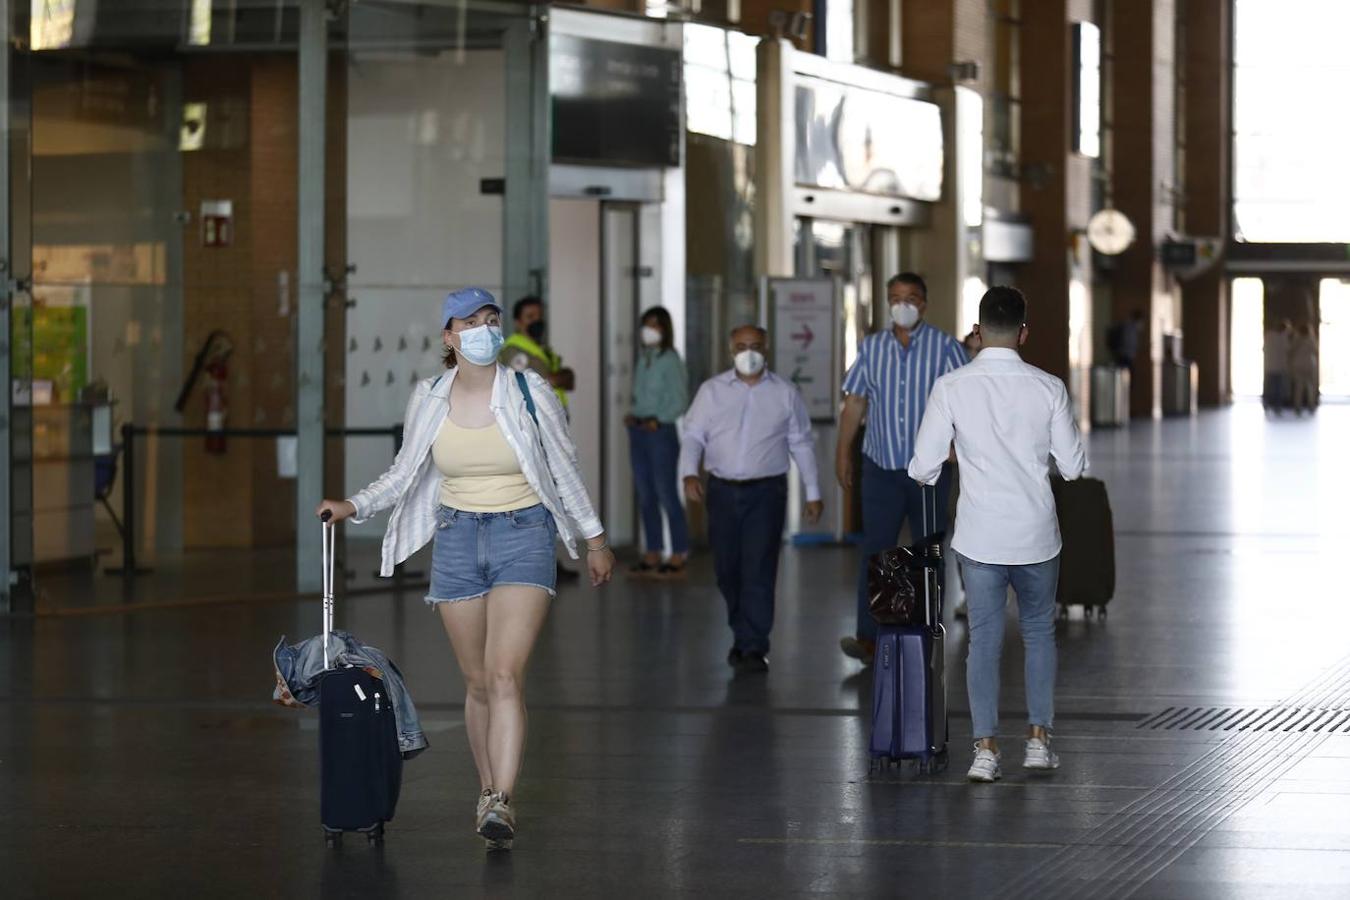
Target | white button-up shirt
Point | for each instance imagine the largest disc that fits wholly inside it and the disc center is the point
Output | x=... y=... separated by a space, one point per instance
x=743 y=432
x=1009 y=419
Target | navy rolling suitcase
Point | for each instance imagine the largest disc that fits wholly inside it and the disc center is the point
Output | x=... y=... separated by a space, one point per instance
x=360 y=765
x=909 y=686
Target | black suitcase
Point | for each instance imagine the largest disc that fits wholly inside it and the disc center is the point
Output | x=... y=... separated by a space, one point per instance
x=1087 y=562
x=360 y=765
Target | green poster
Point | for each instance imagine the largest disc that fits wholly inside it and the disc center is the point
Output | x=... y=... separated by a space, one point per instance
x=60 y=349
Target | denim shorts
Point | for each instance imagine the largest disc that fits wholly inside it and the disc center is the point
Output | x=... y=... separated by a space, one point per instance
x=475 y=552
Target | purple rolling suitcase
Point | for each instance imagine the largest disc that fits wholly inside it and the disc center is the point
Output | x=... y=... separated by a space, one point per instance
x=909 y=684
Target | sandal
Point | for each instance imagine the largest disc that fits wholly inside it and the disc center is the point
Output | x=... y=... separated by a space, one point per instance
x=642 y=569
x=669 y=571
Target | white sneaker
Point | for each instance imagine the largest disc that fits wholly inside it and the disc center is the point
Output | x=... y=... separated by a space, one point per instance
x=1040 y=756
x=985 y=768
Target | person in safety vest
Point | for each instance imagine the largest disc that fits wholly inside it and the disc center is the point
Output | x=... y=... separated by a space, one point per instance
x=526 y=348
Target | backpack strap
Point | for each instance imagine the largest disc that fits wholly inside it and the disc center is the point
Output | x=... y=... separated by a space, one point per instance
x=529 y=400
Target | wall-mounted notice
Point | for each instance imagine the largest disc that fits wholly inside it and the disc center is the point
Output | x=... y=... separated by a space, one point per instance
x=804 y=328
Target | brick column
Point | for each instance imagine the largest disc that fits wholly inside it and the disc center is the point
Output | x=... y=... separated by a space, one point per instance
x=1142 y=41
x=1205 y=304
x=935 y=34
x=1054 y=182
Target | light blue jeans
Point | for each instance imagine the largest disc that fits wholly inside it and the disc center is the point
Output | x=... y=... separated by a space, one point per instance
x=986 y=596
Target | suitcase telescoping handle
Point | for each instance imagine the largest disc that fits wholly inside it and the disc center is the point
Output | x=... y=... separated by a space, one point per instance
x=329 y=543
x=932 y=606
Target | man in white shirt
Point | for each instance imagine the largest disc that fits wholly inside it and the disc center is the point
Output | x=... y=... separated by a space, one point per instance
x=1008 y=420
x=743 y=425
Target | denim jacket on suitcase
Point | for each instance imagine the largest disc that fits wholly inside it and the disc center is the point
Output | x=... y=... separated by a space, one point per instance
x=300 y=666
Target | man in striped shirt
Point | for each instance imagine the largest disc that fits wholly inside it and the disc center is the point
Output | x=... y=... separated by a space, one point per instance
x=889 y=384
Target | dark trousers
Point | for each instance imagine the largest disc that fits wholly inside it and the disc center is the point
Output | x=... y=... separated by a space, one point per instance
x=745 y=528
x=889 y=496
x=655 y=457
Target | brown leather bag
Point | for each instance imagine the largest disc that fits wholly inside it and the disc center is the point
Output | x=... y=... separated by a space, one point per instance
x=895 y=588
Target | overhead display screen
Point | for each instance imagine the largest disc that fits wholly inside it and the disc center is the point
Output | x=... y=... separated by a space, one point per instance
x=614 y=104
x=851 y=138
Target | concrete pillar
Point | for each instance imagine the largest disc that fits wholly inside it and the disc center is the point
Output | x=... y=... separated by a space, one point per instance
x=1205 y=305
x=309 y=329
x=1055 y=188
x=1142 y=41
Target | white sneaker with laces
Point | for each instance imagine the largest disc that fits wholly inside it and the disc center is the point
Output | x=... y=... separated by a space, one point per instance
x=1040 y=756
x=985 y=768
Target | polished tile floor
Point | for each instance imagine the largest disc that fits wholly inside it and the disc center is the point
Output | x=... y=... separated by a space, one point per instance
x=139 y=752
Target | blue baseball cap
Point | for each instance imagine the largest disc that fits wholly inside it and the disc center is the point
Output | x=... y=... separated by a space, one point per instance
x=465 y=302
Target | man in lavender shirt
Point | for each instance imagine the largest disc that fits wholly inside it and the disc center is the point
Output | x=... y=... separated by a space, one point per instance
x=743 y=425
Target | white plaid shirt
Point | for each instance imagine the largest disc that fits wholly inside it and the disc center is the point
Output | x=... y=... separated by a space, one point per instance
x=548 y=459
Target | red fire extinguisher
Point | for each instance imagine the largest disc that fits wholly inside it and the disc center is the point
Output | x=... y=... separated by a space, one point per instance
x=217 y=406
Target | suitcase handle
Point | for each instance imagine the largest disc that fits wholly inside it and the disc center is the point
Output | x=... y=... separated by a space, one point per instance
x=932 y=606
x=329 y=545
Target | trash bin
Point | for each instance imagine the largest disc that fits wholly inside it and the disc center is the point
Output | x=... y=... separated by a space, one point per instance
x=1180 y=384
x=1110 y=397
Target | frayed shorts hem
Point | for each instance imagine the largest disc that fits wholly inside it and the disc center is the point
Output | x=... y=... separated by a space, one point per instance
x=435 y=601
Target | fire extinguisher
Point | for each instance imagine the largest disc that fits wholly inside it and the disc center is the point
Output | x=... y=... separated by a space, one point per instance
x=217 y=405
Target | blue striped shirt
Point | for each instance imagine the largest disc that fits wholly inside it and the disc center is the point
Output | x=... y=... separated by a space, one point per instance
x=896 y=382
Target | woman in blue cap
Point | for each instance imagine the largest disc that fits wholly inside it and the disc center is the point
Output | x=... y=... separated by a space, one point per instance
x=489 y=470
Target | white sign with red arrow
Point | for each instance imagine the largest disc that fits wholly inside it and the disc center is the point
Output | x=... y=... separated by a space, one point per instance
x=804 y=324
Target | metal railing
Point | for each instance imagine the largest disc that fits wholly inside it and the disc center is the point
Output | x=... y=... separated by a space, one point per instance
x=130 y=432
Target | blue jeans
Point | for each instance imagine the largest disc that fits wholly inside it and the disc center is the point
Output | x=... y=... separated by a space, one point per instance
x=474 y=552
x=986 y=597
x=655 y=456
x=745 y=527
x=888 y=497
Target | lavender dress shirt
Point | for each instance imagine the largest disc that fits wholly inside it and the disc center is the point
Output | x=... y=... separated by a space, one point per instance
x=742 y=432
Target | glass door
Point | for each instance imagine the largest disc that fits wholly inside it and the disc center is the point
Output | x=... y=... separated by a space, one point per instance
x=429 y=100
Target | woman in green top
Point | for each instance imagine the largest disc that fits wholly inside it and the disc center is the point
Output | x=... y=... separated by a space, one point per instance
x=660 y=396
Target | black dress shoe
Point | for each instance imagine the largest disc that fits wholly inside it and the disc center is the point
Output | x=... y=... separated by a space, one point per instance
x=753 y=662
x=734 y=657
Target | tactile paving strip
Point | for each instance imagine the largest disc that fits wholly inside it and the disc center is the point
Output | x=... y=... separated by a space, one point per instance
x=1119 y=857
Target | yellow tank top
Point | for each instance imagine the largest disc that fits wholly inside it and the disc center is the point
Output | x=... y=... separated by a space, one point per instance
x=479 y=470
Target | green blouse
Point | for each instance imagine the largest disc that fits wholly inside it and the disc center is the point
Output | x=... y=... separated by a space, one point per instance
x=660 y=386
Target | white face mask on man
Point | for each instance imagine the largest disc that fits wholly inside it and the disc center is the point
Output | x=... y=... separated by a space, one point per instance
x=749 y=363
x=906 y=315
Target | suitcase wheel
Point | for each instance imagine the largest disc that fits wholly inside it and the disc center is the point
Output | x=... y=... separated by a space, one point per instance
x=332 y=839
x=375 y=836
x=938 y=765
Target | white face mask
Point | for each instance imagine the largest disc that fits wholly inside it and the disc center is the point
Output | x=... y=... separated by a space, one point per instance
x=749 y=362
x=906 y=315
x=480 y=345
x=650 y=336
